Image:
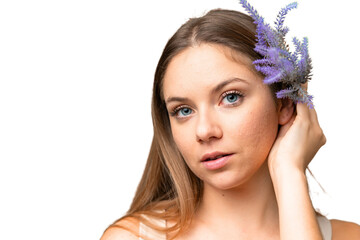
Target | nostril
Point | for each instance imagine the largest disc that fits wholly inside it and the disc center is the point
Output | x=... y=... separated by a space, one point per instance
x=207 y=127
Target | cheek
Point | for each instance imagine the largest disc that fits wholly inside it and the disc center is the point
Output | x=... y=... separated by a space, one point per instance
x=256 y=132
x=182 y=140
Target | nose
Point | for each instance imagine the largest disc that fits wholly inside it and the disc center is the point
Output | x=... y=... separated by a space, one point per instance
x=208 y=128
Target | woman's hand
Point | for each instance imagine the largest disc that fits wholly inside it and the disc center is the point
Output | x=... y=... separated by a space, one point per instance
x=297 y=142
x=295 y=146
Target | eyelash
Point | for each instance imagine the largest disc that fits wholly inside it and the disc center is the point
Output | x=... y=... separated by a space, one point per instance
x=232 y=92
x=176 y=110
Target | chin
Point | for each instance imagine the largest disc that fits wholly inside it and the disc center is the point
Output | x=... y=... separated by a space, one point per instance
x=227 y=181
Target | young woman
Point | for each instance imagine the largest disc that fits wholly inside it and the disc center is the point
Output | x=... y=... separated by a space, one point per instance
x=228 y=158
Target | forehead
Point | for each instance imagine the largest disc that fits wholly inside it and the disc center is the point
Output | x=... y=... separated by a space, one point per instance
x=203 y=66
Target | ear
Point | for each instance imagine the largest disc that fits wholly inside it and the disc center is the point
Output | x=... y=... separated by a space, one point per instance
x=286 y=109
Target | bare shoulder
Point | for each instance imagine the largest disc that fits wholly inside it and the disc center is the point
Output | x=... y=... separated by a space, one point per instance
x=125 y=229
x=342 y=230
x=118 y=234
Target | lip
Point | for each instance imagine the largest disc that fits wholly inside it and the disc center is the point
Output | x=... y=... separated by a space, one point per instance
x=216 y=163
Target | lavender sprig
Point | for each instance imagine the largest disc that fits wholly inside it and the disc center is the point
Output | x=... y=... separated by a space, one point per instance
x=279 y=64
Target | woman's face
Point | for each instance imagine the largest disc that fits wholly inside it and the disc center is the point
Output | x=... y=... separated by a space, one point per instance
x=223 y=118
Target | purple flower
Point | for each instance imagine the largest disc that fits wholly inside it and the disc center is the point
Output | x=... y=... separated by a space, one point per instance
x=284 y=93
x=273 y=78
x=278 y=63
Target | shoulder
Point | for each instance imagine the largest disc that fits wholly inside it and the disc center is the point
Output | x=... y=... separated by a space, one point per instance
x=124 y=229
x=118 y=234
x=344 y=230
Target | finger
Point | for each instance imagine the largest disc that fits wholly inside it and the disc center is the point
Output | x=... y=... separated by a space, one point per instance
x=315 y=122
x=314 y=116
x=312 y=112
x=303 y=110
x=305 y=86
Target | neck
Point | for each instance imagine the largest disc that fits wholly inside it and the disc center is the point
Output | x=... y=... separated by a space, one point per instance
x=249 y=208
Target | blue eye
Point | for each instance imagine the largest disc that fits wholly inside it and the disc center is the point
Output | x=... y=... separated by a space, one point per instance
x=231 y=97
x=181 y=112
x=185 y=111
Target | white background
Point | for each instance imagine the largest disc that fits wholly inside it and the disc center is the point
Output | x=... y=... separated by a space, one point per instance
x=75 y=90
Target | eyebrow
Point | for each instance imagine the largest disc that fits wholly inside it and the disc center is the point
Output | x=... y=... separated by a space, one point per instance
x=226 y=82
x=213 y=91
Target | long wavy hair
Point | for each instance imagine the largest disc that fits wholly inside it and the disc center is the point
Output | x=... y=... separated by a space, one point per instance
x=168 y=189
